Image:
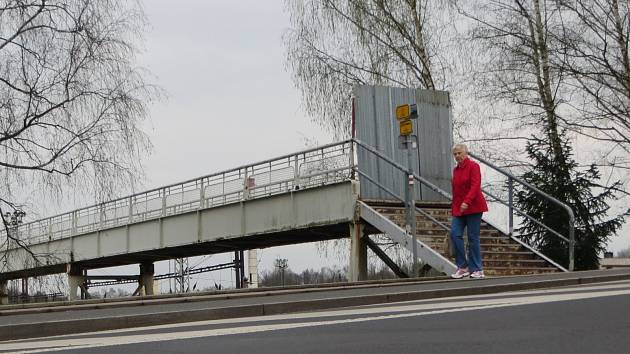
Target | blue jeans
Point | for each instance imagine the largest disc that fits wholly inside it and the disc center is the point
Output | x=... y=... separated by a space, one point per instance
x=473 y=223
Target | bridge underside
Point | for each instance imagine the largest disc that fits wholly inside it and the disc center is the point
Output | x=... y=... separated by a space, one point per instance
x=227 y=245
x=305 y=235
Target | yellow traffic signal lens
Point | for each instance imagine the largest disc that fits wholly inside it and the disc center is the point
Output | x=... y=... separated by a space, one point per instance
x=406 y=127
x=402 y=112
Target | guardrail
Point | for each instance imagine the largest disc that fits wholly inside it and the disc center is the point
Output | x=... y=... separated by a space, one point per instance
x=309 y=168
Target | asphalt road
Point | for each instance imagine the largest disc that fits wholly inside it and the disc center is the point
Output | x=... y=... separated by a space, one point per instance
x=578 y=319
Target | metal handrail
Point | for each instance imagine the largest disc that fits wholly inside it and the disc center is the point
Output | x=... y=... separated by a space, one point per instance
x=307 y=168
x=525 y=215
x=402 y=169
x=546 y=196
x=393 y=194
x=510 y=205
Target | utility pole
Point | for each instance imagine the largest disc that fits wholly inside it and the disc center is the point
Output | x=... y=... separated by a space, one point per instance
x=281 y=264
x=182 y=281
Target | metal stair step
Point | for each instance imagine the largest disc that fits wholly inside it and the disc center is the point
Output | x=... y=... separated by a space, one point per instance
x=514 y=263
x=506 y=271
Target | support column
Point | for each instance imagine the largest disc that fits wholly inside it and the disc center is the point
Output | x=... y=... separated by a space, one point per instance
x=4 y=292
x=24 y=293
x=252 y=268
x=239 y=268
x=75 y=280
x=147 y=270
x=358 y=253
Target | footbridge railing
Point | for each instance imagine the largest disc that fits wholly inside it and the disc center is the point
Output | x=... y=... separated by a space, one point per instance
x=324 y=165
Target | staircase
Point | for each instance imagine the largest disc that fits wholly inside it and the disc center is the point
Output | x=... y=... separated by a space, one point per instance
x=502 y=255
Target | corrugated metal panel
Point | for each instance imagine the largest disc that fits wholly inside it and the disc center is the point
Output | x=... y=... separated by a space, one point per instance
x=376 y=125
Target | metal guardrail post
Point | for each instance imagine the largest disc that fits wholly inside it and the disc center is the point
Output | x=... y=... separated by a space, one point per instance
x=50 y=233
x=351 y=159
x=201 y=195
x=73 y=222
x=411 y=207
x=130 y=217
x=163 y=202
x=510 y=206
x=296 y=172
x=245 y=186
x=571 y=243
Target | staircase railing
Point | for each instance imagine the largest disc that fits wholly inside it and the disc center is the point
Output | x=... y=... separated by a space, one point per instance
x=510 y=203
x=429 y=256
x=512 y=208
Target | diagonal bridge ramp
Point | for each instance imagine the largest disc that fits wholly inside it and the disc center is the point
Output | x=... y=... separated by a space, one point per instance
x=400 y=236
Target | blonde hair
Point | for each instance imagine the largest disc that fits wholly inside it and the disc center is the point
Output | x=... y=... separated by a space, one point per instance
x=460 y=147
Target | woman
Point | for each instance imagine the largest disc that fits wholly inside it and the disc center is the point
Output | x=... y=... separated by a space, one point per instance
x=467 y=207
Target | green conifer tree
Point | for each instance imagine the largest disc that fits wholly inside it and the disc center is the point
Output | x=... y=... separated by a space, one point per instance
x=560 y=177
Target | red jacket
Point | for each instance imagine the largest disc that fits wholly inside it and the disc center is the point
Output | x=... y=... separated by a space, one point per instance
x=466 y=187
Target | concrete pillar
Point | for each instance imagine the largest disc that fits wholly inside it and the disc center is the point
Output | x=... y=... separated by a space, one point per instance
x=4 y=292
x=252 y=268
x=24 y=293
x=146 y=278
x=358 y=253
x=75 y=280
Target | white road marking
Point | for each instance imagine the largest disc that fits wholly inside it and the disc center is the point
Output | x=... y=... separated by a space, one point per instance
x=420 y=309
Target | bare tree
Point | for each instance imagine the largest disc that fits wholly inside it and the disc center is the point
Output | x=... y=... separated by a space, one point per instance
x=595 y=57
x=526 y=69
x=519 y=70
x=71 y=97
x=333 y=45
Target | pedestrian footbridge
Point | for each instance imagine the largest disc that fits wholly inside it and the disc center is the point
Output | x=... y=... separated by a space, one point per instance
x=307 y=196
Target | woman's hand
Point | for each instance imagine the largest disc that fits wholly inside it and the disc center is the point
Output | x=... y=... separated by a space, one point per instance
x=463 y=207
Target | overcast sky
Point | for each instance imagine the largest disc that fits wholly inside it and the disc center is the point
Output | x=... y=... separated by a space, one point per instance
x=230 y=100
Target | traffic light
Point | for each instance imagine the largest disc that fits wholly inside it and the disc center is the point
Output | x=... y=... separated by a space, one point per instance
x=404 y=114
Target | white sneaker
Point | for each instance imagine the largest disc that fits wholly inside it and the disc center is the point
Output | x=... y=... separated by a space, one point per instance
x=460 y=273
x=477 y=274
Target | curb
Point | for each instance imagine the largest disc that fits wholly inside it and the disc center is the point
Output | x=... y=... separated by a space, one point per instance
x=54 y=328
x=62 y=306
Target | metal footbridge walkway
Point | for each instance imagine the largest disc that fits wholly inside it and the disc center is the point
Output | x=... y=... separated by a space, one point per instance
x=301 y=197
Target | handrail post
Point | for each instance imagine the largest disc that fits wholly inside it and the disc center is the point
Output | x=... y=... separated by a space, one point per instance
x=351 y=160
x=130 y=216
x=411 y=207
x=201 y=195
x=245 y=195
x=296 y=172
x=163 y=202
x=571 y=242
x=73 y=223
x=510 y=206
x=101 y=215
